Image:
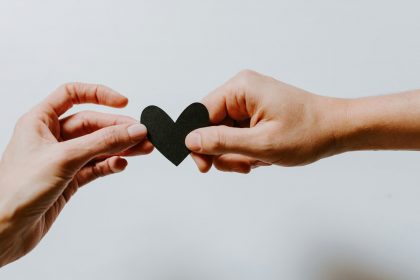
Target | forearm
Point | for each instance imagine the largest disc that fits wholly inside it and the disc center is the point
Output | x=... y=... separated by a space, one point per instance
x=390 y=122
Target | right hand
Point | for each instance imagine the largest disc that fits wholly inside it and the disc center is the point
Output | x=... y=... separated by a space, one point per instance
x=50 y=157
x=260 y=121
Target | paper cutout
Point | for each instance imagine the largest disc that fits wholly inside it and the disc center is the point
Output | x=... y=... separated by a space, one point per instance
x=169 y=136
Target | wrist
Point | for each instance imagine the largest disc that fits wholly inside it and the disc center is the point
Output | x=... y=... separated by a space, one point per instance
x=354 y=126
x=338 y=126
x=387 y=122
x=349 y=125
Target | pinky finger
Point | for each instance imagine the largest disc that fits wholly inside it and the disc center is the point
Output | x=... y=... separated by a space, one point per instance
x=237 y=163
x=99 y=169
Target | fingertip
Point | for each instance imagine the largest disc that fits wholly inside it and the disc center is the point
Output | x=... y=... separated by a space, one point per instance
x=193 y=141
x=123 y=102
x=203 y=162
x=116 y=99
x=245 y=170
x=147 y=147
x=117 y=164
x=137 y=131
x=119 y=101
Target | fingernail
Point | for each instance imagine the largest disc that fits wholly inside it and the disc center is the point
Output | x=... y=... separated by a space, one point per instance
x=137 y=131
x=193 y=141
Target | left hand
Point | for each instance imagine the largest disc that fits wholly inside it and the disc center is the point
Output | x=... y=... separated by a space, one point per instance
x=49 y=158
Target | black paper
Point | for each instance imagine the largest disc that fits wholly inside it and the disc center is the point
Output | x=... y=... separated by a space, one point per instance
x=169 y=136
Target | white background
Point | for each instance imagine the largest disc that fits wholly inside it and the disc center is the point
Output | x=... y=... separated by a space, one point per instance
x=356 y=213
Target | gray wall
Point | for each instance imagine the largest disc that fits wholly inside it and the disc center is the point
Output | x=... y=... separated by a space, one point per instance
x=353 y=214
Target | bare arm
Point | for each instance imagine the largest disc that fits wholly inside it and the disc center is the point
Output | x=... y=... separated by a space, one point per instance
x=258 y=121
x=390 y=122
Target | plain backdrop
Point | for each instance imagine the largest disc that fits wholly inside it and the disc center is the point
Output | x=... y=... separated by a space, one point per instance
x=354 y=214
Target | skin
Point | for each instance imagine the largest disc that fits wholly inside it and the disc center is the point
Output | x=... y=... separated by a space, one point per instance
x=260 y=121
x=257 y=121
x=49 y=158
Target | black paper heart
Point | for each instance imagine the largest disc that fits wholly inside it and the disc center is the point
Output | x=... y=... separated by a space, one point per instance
x=169 y=137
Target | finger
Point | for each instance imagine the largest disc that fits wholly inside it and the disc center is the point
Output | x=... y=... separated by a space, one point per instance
x=234 y=99
x=143 y=148
x=234 y=163
x=203 y=162
x=63 y=98
x=86 y=122
x=106 y=141
x=237 y=163
x=100 y=169
x=216 y=140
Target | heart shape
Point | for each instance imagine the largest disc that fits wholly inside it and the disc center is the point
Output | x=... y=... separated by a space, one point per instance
x=169 y=136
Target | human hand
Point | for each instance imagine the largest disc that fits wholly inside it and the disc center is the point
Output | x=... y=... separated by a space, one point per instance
x=261 y=121
x=49 y=158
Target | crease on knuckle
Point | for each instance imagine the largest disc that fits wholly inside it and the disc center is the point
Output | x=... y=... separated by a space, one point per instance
x=97 y=171
x=110 y=138
x=218 y=142
x=102 y=169
x=70 y=89
x=84 y=120
x=95 y=93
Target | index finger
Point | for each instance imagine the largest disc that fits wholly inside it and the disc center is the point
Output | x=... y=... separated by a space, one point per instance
x=233 y=99
x=67 y=95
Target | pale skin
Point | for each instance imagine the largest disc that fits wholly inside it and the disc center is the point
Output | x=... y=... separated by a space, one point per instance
x=260 y=121
x=256 y=121
x=49 y=158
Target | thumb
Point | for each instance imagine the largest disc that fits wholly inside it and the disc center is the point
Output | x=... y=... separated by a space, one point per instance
x=105 y=141
x=216 y=140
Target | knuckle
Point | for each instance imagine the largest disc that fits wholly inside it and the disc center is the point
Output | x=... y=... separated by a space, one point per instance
x=73 y=90
x=86 y=116
x=63 y=87
x=242 y=82
x=83 y=119
x=96 y=172
x=69 y=87
x=247 y=73
x=69 y=192
x=25 y=118
x=219 y=140
x=99 y=87
x=244 y=77
x=99 y=170
x=110 y=137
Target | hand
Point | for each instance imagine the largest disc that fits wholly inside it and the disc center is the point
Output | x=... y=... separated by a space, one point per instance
x=49 y=158
x=261 y=121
